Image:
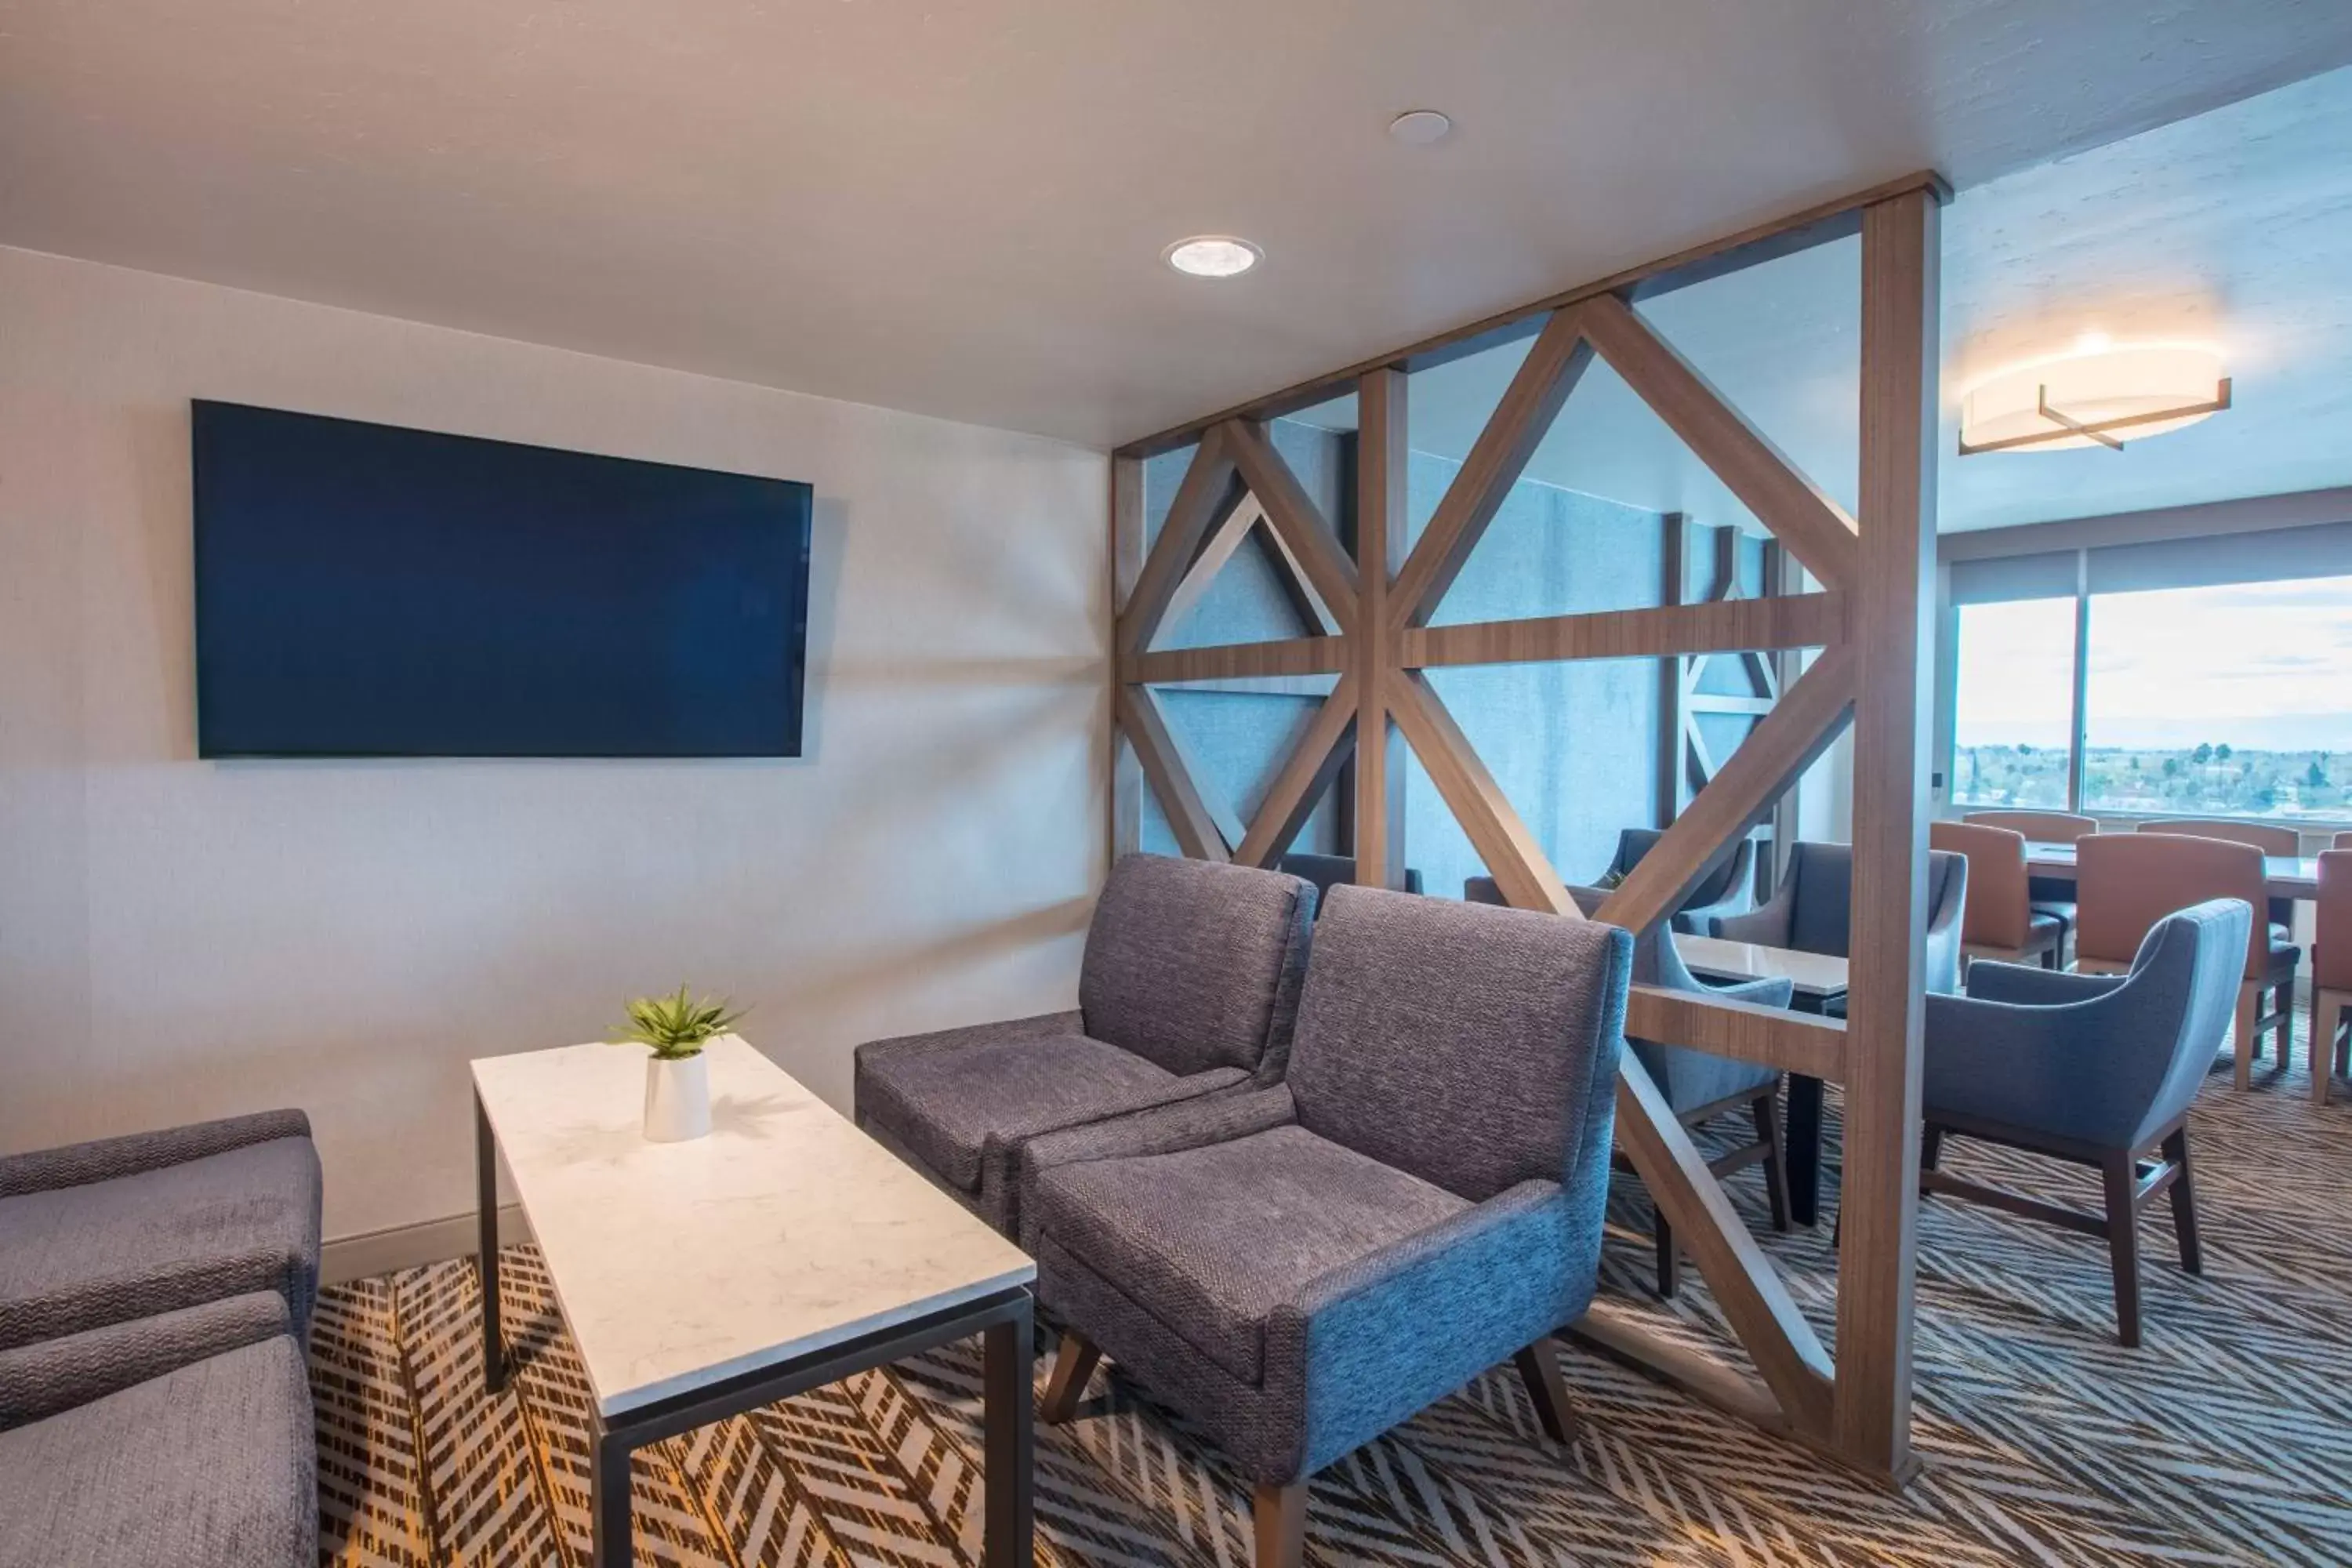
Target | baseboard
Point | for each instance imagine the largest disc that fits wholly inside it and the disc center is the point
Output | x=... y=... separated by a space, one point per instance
x=375 y=1252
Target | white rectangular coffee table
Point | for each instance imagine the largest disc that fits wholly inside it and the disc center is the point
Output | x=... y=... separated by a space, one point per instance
x=785 y=1251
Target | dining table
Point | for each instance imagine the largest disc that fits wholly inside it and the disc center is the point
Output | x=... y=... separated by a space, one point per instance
x=1814 y=979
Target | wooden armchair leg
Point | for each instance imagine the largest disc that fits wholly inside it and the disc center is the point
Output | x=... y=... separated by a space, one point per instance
x=1931 y=1147
x=2120 y=1173
x=2184 y=1202
x=2326 y=1017
x=1281 y=1520
x=1074 y=1363
x=2249 y=999
x=1539 y=1370
x=1669 y=1279
x=1766 y=1109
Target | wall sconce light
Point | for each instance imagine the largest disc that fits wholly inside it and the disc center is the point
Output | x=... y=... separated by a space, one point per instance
x=2096 y=396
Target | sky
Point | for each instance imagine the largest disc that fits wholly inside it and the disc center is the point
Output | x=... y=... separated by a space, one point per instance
x=2261 y=666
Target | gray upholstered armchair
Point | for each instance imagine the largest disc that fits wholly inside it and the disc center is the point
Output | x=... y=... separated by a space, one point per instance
x=1301 y=1269
x=1812 y=909
x=185 y=1439
x=128 y=1227
x=1700 y=1086
x=2094 y=1070
x=1722 y=890
x=1189 y=986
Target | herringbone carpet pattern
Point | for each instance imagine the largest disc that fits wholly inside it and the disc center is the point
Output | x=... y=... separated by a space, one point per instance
x=2227 y=1439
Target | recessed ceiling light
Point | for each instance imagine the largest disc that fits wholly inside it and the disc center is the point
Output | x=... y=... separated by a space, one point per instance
x=1214 y=256
x=1419 y=127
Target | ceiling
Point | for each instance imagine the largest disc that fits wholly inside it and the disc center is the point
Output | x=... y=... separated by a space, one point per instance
x=2233 y=228
x=958 y=208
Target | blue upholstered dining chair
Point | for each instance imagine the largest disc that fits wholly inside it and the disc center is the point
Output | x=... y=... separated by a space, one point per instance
x=1329 y=871
x=1699 y=1087
x=1300 y=1268
x=1812 y=909
x=2096 y=1069
x=1722 y=890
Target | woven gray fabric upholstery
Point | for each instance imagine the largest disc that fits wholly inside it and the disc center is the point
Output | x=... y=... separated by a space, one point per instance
x=1216 y=1237
x=2107 y=1060
x=1431 y=1035
x=211 y=1466
x=1194 y=965
x=162 y=1237
x=1173 y=1238
x=1812 y=909
x=38 y=1380
x=103 y=1159
x=962 y=1102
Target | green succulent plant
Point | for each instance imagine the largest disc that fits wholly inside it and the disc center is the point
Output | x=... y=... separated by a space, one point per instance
x=676 y=1026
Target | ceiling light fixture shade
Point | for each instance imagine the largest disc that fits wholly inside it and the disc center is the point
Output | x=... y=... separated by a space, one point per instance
x=1419 y=127
x=1214 y=256
x=2099 y=395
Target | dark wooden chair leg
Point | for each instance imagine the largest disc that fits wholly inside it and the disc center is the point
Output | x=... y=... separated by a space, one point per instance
x=1074 y=1363
x=1669 y=1279
x=2118 y=1170
x=1766 y=1111
x=2184 y=1202
x=1931 y=1147
x=1281 y=1519
x=1539 y=1367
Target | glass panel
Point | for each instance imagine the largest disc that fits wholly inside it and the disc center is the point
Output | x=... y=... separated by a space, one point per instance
x=2014 y=703
x=2221 y=701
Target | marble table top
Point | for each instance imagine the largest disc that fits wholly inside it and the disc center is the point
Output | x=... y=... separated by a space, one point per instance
x=1719 y=958
x=785 y=1231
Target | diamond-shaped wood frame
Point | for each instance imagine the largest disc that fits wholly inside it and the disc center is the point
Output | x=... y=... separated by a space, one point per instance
x=1868 y=619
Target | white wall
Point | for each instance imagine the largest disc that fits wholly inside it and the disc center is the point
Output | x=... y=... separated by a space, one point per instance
x=180 y=939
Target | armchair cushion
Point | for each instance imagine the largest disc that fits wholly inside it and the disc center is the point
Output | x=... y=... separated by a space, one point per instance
x=1211 y=1239
x=210 y=1466
x=103 y=1159
x=163 y=1237
x=962 y=1099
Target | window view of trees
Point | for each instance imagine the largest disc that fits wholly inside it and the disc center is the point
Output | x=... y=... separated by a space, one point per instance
x=2233 y=700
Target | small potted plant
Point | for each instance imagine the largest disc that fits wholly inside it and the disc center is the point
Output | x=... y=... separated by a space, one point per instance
x=678 y=1076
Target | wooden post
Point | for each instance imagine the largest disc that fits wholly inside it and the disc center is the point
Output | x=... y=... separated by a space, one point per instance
x=1673 y=548
x=1381 y=475
x=1126 y=563
x=1891 y=629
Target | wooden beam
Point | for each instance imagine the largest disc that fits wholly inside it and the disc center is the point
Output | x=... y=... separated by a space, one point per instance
x=1799 y=516
x=1781 y=746
x=1307 y=536
x=1382 y=520
x=1199 y=501
x=1291 y=799
x=1512 y=855
x=1224 y=539
x=1496 y=459
x=1900 y=312
x=1673 y=548
x=1747 y=1288
x=1632 y=1336
x=1203 y=831
x=1817 y=224
x=1807 y=620
x=1229 y=661
x=1743 y=706
x=1126 y=563
x=1775 y=1036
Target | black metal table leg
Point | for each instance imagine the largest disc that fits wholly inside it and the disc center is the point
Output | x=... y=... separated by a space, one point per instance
x=1803 y=1153
x=608 y=1499
x=1010 y=1401
x=485 y=1195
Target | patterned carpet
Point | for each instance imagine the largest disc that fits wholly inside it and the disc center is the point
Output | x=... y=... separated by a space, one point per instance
x=2227 y=1439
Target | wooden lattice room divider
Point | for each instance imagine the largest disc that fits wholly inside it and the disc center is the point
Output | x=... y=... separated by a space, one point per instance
x=1869 y=618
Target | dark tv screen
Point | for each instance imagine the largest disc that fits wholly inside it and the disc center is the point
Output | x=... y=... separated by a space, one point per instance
x=368 y=591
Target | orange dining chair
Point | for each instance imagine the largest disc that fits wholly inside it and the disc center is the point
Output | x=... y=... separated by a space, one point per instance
x=2126 y=882
x=2269 y=838
x=1999 y=921
x=2331 y=966
x=2039 y=826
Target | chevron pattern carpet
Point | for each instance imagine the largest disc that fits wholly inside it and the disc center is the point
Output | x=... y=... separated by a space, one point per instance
x=2227 y=1439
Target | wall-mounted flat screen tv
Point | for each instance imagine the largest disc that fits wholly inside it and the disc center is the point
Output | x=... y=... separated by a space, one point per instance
x=368 y=591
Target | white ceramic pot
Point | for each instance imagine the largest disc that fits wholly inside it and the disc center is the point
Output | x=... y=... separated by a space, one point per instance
x=678 y=1097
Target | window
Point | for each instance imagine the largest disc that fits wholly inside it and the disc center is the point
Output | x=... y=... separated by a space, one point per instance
x=2014 y=705
x=2228 y=700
